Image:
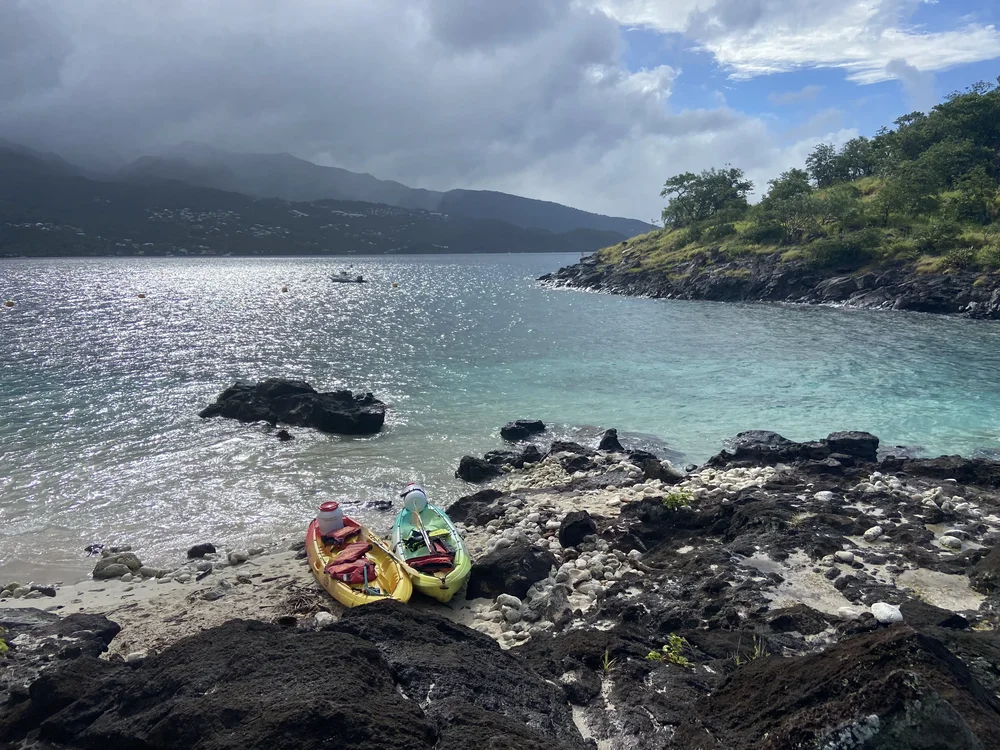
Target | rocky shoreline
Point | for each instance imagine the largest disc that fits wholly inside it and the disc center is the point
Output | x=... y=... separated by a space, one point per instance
x=783 y=595
x=756 y=278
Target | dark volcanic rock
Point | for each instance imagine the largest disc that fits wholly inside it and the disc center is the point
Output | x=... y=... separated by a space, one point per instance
x=765 y=278
x=403 y=679
x=479 y=508
x=978 y=471
x=509 y=571
x=451 y=670
x=528 y=454
x=800 y=618
x=574 y=527
x=200 y=550
x=476 y=470
x=919 y=615
x=984 y=576
x=860 y=445
x=297 y=403
x=568 y=446
x=891 y=688
x=609 y=442
x=521 y=429
x=763 y=448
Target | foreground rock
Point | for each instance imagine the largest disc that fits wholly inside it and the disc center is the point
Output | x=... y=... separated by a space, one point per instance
x=918 y=696
x=511 y=569
x=785 y=595
x=383 y=676
x=765 y=278
x=294 y=402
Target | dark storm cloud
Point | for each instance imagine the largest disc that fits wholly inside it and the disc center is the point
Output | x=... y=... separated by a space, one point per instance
x=434 y=93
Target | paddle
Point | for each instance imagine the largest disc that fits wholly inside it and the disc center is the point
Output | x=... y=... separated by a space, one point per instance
x=423 y=531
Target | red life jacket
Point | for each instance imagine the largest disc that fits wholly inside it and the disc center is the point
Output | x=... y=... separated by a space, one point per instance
x=351 y=565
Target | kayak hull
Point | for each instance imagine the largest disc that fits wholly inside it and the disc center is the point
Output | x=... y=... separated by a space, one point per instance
x=391 y=578
x=441 y=585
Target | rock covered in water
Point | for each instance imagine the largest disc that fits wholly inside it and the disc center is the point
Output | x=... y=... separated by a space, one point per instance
x=521 y=429
x=295 y=402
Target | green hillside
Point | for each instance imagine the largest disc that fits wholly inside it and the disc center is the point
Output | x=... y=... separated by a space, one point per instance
x=923 y=195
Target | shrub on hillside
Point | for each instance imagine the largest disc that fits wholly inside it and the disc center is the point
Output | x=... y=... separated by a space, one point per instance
x=938 y=237
x=718 y=232
x=846 y=252
x=765 y=234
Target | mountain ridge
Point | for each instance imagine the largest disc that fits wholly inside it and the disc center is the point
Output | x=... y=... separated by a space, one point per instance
x=50 y=208
x=290 y=178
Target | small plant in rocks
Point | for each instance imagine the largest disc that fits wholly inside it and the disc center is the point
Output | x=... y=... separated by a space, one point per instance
x=759 y=651
x=678 y=499
x=672 y=651
x=607 y=663
x=3 y=644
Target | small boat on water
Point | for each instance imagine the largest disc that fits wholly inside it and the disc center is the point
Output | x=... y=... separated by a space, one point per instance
x=431 y=548
x=354 y=565
x=343 y=278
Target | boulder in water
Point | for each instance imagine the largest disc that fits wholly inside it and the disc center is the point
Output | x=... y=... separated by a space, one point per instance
x=521 y=429
x=609 y=442
x=297 y=403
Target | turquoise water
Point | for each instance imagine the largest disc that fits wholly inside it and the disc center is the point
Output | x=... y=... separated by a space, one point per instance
x=100 y=390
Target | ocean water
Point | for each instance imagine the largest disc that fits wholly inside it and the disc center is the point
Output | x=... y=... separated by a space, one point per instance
x=100 y=439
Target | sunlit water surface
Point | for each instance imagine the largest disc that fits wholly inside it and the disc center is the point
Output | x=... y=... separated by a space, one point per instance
x=100 y=390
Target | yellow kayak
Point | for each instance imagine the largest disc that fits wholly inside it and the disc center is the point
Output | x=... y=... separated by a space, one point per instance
x=357 y=568
x=432 y=550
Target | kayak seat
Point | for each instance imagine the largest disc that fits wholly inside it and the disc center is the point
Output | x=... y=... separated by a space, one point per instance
x=431 y=563
x=342 y=534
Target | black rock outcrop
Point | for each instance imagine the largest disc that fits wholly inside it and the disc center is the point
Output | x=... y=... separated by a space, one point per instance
x=609 y=442
x=476 y=470
x=575 y=526
x=766 y=279
x=295 y=402
x=521 y=429
x=387 y=676
x=509 y=571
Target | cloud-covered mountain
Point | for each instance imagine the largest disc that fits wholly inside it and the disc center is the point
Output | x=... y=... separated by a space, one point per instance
x=287 y=177
x=48 y=207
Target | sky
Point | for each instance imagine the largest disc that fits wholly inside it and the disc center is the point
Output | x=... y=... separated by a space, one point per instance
x=590 y=103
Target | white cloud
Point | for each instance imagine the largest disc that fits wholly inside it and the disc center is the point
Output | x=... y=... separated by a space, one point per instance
x=761 y=37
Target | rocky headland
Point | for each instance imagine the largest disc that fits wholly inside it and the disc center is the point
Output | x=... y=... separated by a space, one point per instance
x=783 y=595
x=767 y=278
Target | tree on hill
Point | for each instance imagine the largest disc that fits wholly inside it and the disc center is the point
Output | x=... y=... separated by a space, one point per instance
x=719 y=194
